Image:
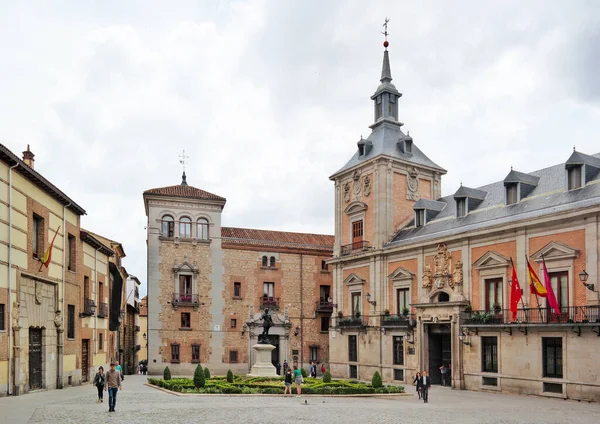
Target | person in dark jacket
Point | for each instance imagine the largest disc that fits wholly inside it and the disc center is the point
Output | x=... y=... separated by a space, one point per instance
x=288 y=382
x=425 y=386
x=99 y=380
x=419 y=383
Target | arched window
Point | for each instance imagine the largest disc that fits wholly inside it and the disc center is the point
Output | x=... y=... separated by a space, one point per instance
x=265 y=261
x=202 y=228
x=443 y=297
x=185 y=227
x=272 y=262
x=168 y=226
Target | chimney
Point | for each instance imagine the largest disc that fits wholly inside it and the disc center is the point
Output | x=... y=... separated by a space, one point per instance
x=28 y=157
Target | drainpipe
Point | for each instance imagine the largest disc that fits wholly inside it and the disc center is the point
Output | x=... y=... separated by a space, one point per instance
x=301 y=318
x=61 y=359
x=10 y=275
x=98 y=302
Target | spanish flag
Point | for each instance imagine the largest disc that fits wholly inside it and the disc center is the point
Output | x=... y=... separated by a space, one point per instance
x=535 y=285
x=48 y=255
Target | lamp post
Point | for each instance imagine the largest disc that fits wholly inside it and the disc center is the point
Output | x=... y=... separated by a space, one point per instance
x=372 y=302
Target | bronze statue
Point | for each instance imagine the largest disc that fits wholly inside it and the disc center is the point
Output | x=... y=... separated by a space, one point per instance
x=267 y=324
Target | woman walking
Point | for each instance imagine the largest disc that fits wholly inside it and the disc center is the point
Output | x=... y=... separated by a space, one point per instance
x=288 y=382
x=419 y=382
x=99 y=380
x=298 y=379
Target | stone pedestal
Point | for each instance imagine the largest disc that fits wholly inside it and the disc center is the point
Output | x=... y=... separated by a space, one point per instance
x=263 y=366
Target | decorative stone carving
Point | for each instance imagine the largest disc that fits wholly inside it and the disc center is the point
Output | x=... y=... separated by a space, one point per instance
x=38 y=292
x=57 y=319
x=347 y=192
x=427 y=276
x=412 y=184
x=367 y=183
x=357 y=185
x=16 y=312
x=442 y=260
x=457 y=276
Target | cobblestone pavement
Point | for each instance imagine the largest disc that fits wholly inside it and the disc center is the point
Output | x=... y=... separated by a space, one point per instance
x=137 y=403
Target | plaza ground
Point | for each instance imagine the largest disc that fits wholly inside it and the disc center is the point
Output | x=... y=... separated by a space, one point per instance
x=138 y=403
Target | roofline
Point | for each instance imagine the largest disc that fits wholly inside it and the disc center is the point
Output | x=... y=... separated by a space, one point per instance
x=442 y=171
x=147 y=196
x=86 y=237
x=37 y=179
x=113 y=243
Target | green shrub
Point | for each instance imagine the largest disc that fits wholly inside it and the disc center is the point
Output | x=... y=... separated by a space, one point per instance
x=199 y=380
x=229 y=376
x=327 y=377
x=303 y=372
x=376 y=380
x=167 y=374
x=206 y=373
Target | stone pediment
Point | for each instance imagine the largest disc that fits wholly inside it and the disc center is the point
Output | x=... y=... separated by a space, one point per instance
x=555 y=250
x=186 y=267
x=401 y=274
x=353 y=280
x=355 y=208
x=491 y=259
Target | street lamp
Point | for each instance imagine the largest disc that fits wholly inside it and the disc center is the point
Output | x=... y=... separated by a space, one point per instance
x=372 y=302
x=465 y=337
x=583 y=276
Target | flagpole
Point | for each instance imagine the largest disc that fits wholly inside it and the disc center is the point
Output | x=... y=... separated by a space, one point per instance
x=522 y=303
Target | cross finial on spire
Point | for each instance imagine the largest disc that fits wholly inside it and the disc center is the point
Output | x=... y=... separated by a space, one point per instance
x=183 y=160
x=385 y=33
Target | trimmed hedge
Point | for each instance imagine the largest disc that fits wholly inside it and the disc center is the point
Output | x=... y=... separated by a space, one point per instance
x=376 y=380
x=167 y=374
x=274 y=386
x=199 y=380
x=206 y=373
x=327 y=377
x=229 y=376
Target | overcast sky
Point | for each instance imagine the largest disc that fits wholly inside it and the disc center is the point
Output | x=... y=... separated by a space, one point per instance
x=269 y=98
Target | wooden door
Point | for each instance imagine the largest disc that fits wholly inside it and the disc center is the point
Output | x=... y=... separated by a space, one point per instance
x=357 y=234
x=35 y=358
x=85 y=353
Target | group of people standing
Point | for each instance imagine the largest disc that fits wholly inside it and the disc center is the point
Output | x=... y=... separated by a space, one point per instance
x=110 y=382
x=423 y=382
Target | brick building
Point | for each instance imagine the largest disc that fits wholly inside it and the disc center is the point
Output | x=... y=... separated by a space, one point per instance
x=143 y=353
x=208 y=286
x=53 y=321
x=422 y=280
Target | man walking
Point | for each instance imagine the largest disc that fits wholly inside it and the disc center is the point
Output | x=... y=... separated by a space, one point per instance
x=119 y=369
x=113 y=385
x=425 y=385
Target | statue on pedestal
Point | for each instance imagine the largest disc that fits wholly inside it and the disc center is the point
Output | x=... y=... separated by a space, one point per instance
x=267 y=324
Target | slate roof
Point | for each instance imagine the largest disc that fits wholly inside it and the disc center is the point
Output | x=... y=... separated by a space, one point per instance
x=520 y=177
x=472 y=193
x=276 y=239
x=384 y=139
x=37 y=179
x=548 y=197
x=183 y=191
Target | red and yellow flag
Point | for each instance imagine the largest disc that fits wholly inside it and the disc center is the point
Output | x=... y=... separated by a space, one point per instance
x=48 y=255
x=515 y=292
x=535 y=285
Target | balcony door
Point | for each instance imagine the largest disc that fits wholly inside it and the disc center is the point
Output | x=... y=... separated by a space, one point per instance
x=357 y=234
x=325 y=292
x=185 y=288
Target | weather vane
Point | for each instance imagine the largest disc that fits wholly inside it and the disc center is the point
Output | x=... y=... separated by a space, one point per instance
x=385 y=33
x=183 y=159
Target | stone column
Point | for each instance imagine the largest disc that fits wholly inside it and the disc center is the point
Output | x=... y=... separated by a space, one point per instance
x=59 y=346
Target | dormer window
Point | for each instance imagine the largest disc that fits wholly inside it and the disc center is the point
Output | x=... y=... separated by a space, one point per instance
x=574 y=177
x=408 y=146
x=361 y=149
x=419 y=217
x=461 y=207
x=511 y=194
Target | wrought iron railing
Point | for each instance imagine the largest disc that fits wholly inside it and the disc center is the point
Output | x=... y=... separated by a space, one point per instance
x=353 y=321
x=355 y=247
x=102 y=310
x=402 y=320
x=324 y=306
x=89 y=308
x=268 y=302
x=185 y=299
x=567 y=315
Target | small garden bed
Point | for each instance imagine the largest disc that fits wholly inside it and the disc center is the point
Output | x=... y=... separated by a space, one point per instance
x=271 y=386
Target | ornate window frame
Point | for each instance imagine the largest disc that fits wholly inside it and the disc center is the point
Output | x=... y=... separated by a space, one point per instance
x=558 y=257
x=401 y=278
x=492 y=265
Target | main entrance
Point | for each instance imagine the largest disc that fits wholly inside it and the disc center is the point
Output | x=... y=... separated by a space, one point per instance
x=35 y=358
x=85 y=351
x=440 y=351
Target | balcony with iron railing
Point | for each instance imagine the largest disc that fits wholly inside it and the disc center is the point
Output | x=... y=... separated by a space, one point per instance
x=356 y=247
x=180 y=299
x=398 y=321
x=572 y=315
x=89 y=308
x=354 y=321
x=102 y=310
x=324 y=306
x=268 y=302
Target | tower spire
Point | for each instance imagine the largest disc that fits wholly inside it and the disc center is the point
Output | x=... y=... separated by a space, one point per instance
x=386 y=72
x=183 y=159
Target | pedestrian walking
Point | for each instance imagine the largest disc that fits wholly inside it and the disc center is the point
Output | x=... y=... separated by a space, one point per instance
x=99 y=381
x=113 y=385
x=417 y=381
x=323 y=369
x=425 y=386
x=444 y=372
x=288 y=382
x=119 y=370
x=285 y=366
x=299 y=380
